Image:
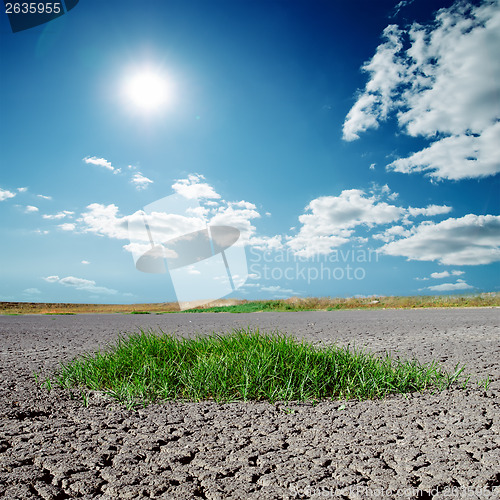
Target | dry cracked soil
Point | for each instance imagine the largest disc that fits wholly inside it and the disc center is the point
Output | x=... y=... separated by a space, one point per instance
x=422 y=445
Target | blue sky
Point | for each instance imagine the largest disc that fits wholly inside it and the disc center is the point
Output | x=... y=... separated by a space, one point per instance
x=355 y=145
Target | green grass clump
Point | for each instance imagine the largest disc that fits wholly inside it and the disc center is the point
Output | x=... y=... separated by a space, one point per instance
x=243 y=365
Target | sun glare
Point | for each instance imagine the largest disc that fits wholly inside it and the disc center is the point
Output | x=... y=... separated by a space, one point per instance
x=147 y=91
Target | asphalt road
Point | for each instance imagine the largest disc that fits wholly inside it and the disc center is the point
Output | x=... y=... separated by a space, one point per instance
x=445 y=444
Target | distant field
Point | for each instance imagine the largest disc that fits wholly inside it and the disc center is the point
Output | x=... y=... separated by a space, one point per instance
x=242 y=306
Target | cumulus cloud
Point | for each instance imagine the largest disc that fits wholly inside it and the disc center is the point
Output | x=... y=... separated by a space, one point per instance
x=44 y=197
x=392 y=233
x=237 y=215
x=5 y=194
x=81 y=284
x=22 y=189
x=430 y=210
x=456 y=157
x=331 y=220
x=401 y=5
x=101 y=162
x=140 y=181
x=448 y=287
x=442 y=80
x=386 y=70
x=194 y=188
x=444 y=274
x=441 y=275
x=30 y=209
x=469 y=240
x=51 y=279
x=59 y=215
x=105 y=220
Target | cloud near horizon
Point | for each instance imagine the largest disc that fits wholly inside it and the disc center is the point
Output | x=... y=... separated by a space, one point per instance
x=81 y=284
x=449 y=287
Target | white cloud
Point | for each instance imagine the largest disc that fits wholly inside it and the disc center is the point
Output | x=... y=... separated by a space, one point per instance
x=444 y=88
x=376 y=101
x=39 y=231
x=58 y=215
x=140 y=181
x=51 y=279
x=81 y=284
x=392 y=233
x=469 y=240
x=446 y=287
x=430 y=210
x=372 y=166
x=22 y=189
x=67 y=226
x=30 y=209
x=44 y=197
x=238 y=216
x=444 y=274
x=457 y=157
x=401 y=5
x=101 y=162
x=138 y=248
x=193 y=188
x=32 y=291
x=5 y=194
x=85 y=262
x=332 y=220
x=105 y=220
x=277 y=291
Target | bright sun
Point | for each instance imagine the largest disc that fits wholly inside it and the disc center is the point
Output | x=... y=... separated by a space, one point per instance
x=147 y=91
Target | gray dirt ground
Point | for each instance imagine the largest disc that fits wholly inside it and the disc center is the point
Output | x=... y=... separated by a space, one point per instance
x=443 y=445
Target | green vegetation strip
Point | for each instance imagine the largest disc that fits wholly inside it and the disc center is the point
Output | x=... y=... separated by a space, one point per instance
x=243 y=365
x=332 y=304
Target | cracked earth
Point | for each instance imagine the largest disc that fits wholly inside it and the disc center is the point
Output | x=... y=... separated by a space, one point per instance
x=429 y=445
